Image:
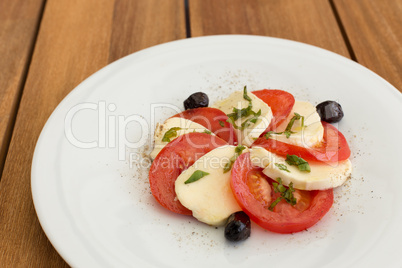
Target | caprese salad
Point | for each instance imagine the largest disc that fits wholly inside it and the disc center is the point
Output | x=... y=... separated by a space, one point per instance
x=255 y=156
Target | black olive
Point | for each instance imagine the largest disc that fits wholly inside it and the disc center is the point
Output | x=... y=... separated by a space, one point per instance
x=330 y=111
x=238 y=226
x=196 y=100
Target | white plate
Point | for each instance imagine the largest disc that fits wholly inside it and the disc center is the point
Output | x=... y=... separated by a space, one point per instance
x=97 y=210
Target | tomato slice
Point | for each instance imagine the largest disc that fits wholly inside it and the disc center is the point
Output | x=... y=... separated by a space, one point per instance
x=333 y=148
x=281 y=103
x=248 y=183
x=172 y=160
x=212 y=119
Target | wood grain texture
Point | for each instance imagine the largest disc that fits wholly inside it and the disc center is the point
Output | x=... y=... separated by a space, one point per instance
x=76 y=38
x=155 y=22
x=308 y=21
x=19 y=22
x=70 y=46
x=374 y=29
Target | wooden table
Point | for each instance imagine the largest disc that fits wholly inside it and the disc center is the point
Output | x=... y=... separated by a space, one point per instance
x=49 y=47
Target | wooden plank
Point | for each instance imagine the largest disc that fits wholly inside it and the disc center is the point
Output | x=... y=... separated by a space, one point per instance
x=76 y=38
x=308 y=21
x=19 y=22
x=374 y=29
x=141 y=24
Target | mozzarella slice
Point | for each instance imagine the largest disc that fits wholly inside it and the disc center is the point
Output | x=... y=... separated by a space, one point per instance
x=210 y=198
x=322 y=176
x=310 y=135
x=254 y=130
x=185 y=125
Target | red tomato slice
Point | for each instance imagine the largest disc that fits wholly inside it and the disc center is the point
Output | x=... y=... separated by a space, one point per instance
x=333 y=148
x=281 y=103
x=212 y=118
x=248 y=184
x=172 y=160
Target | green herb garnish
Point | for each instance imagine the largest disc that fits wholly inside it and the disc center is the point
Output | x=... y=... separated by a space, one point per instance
x=221 y=123
x=251 y=120
x=198 y=174
x=238 y=150
x=286 y=193
x=282 y=167
x=269 y=133
x=245 y=112
x=207 y=131
x=288 y=131
x=301 y=164
x=245 y=96
x=171 y=133
x=239 y=113
x=229 y=165
x=232 y=121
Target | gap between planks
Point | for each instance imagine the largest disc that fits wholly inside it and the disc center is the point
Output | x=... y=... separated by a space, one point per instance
x=20 y=90
x=187 y=16
x=343 y=30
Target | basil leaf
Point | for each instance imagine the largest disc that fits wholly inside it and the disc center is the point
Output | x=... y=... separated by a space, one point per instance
x=221 y=123
x=251 y=120
x=282 y=167
x=298 y=116
x=238 y=150
x=301 y=164
x=245 y=96
x=304 y=167
x=239 y=113
x=228 y=165
x=273 y=204
x=198 y=174
x=278 y=187
x=171 y=133
x=232 y=121
x=245 y=112
x=286 y=193
x=288 y=131
x=269 y=133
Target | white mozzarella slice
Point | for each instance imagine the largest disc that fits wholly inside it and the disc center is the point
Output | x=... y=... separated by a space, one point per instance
x=210 y=198
x=254 y=130
x=185 y=125
x=322 y=176
x=310 y=135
